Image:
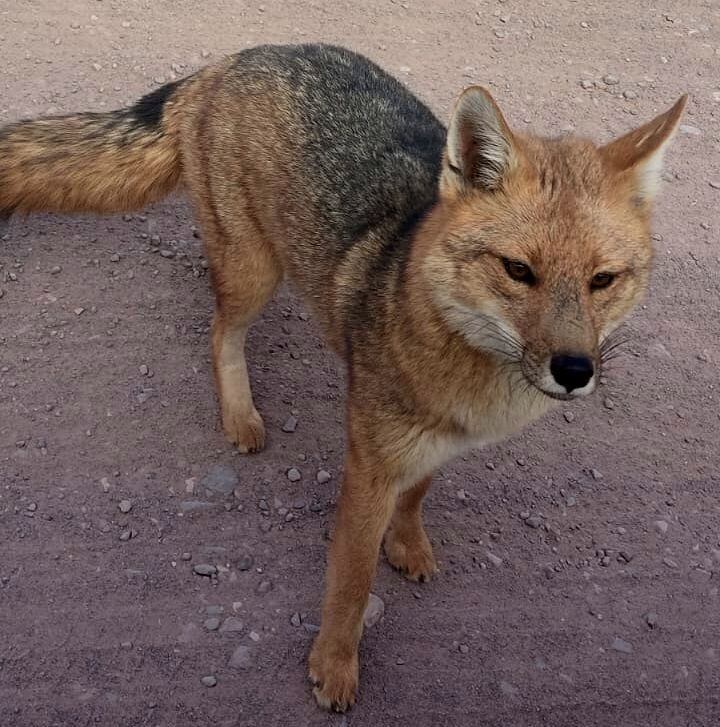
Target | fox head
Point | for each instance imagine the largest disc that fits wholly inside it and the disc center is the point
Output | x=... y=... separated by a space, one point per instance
x=541 y=247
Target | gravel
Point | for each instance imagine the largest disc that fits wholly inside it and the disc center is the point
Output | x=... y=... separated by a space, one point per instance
x=221 y=479
x=205 y=569
x=125 y=506
x=374 y=611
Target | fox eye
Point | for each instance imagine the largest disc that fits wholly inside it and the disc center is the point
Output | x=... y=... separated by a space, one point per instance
x=601 y=280
x=519 y=271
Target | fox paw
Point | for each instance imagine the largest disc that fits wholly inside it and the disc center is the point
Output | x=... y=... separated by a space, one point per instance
x=247 y=431
x=411 y=554
x=335 y=679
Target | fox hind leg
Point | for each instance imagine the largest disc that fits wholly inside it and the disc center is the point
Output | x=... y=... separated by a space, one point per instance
x=245 y=274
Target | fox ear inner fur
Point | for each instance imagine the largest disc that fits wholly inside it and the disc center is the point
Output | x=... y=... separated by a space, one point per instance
x=480 y=146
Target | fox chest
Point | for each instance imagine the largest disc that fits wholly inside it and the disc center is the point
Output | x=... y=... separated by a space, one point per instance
x=472 y=428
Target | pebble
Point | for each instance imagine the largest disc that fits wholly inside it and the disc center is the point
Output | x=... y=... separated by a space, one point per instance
x=126 y=535
x=569 y=416
x=690 y=130
x=621 y=645
x=630 y=95
x=144 y=370
x=209 y=681
x=232 y=625
x=586 y=83
x=295 y=620
x=290 y=425
x=193 y=505
x=246 y=562
x=534 y=521
x=125 y=506
x=214 y=610
x=373 y=611
x=212 y=624
x=254 y=636
x=241 y=658
x=510 y=689
x=55 y=270
x=661 y=526
x=221 y=479
x=596 y=474
x=670 y=563
x=610 y=80
x=264 y=587
x=714 y=184
x=186 y=556
x=323 y=477
x=464 y=648
x=651 y=619
x=494 y=559
x=293 y=474
x=114 y=258
x=204 y=569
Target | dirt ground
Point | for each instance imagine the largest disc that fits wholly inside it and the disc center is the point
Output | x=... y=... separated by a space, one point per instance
x=115 y=480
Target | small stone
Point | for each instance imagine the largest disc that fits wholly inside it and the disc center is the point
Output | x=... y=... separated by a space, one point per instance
x=715 y=184
x=231 y=625
x=204 y=569
x=126 y=645
x=621 y=645
x=651 y=619
x=264 y=587
x=55 y=270
x=690 y=130
x=290 y=425
x=494 y=559
x=630 y=95
x=214 y=610
x=246 y=562
x=670 y=563
x=373 y=611
x=569 y=416
x=254 y=636
x=144 y=370
x=209 y=681
x=293 y=474
x=596 y=474
x=126 y=535
x=221 y=479
x=610 y=80
x=624 y=557
x=114 y=258
x=464 y=648
x=605 y=561
x=534 y=521
x=186 y=556
x=295 y=620
x=78 y=311
x=323 y=477
x=125 y=506
x=167 y=253
x=586 y=83
x=608 y=403
x=661 y=526
x=212 y=623
x=195 y=505
x=241 y=658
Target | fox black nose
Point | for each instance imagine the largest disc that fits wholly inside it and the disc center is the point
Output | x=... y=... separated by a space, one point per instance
x=572 y=372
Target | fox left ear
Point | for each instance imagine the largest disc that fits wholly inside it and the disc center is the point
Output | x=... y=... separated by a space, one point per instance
x=641 y=151
x=480 y=146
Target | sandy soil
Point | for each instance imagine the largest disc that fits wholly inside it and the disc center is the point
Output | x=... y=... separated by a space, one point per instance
x=608 y=613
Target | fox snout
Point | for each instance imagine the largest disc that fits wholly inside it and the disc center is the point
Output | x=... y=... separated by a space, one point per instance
x=573 y=374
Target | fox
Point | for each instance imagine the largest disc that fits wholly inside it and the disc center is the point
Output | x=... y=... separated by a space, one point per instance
x=469 y=277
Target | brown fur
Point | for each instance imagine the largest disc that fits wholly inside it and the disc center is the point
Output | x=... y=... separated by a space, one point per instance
x=404 y=261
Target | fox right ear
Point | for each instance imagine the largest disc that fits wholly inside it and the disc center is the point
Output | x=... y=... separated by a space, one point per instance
x=480 y=146
x=640 y=152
